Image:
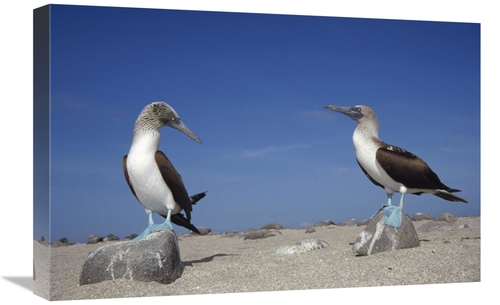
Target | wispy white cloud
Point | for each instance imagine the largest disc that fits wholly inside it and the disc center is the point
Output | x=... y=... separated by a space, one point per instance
x=269 y=150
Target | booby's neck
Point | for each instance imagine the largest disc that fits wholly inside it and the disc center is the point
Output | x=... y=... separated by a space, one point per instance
x=366 y=130
x=145 y=141
x=366 y=141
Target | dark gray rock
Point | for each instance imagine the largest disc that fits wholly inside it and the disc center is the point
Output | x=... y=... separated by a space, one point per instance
x=110 y=237
x=324 y=223
x=310 y=230
x=63 y=242
x=203 y=231
x=154 y=258
x=258 y=234
x=58 y=244
x=379 y=237
x=272 y=226
x=422 y=216
x=450 y=218
x=93 y=239
x=435 y=226
x=43 y=241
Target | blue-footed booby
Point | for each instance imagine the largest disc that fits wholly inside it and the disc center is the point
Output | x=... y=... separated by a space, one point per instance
x=390 y=167
x=150 y=175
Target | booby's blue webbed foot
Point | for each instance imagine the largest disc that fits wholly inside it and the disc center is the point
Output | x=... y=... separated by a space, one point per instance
x=152 y=227
x=393 y=215
x=144 y=233
x=155 y=228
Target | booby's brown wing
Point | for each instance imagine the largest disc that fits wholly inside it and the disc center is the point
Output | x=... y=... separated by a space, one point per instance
x=408 y=169
x=174 y=183
x=178 y=218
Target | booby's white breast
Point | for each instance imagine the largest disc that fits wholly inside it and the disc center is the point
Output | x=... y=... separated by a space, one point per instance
x=366 y=153
x=147 y=181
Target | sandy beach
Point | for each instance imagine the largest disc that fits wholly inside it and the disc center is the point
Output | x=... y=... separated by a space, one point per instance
x=228 y=263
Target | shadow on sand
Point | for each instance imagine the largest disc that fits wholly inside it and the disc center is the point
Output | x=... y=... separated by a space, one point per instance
x=205 y=260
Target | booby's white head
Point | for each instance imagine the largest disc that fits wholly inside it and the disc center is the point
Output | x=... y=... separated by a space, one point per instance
x=358 y=113
x=159 y=114
x=364 y=115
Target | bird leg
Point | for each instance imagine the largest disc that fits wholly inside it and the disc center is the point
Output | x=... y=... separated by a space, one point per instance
x=152 y=227
x=167 y=224
x=149 y=229
x=389 y=203
x=151 y=221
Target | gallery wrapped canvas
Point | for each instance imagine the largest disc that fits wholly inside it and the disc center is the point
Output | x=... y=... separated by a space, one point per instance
x=184 y=152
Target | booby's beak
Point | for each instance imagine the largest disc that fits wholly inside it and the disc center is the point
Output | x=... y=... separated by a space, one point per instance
x=352 y=112
x=179 y=125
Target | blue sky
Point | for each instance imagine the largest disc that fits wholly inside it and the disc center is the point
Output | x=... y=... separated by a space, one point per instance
x=253 y=87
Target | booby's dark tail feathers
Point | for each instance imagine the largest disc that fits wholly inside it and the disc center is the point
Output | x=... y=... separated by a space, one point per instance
x=181 y=221
x=197 y=197
x=447 y=195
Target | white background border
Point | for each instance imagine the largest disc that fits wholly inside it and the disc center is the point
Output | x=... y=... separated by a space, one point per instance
x=16 y=136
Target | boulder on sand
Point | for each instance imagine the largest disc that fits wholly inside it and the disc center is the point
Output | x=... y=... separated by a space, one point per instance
x=153 y=258
x=379 y=237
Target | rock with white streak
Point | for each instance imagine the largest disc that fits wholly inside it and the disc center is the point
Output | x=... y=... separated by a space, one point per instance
x=153 y=258
x=379 y=237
